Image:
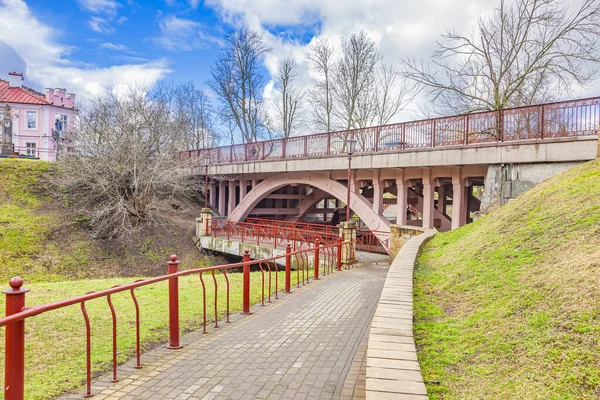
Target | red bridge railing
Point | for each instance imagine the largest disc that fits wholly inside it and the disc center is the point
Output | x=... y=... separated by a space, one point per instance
x=553 y=120
x=271 y=233
x=366 y=239
x=325 y=258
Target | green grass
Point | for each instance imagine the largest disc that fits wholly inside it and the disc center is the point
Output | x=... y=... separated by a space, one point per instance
x=509 y=306
x=55 y=341
x=27 y=227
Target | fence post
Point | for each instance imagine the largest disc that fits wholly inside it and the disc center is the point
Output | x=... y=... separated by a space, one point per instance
x=288 y=267
x=14 y=349
x=246 y=288
x=173 y=304
x=316 y=264
x=339 y=253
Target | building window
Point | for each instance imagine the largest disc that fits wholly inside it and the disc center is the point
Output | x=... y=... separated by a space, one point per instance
x=60 y=125
x=31 y=119
x=30 y=149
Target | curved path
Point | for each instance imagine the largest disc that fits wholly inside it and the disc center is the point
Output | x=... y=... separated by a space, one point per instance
x=300 y=347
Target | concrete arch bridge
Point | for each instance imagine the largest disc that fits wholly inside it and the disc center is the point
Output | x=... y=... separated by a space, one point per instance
x=433 y=173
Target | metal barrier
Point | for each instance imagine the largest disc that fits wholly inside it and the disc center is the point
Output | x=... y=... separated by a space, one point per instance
x=271 y=234
x=326 y=256
x=366 y=240
x=537 y=122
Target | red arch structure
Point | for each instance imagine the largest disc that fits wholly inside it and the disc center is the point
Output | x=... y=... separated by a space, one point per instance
x=359 y=204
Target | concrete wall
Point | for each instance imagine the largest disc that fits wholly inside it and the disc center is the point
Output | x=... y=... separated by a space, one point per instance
x=505 y=182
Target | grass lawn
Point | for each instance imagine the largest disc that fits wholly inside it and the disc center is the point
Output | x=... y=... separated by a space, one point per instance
x=55 y=341
x=509 y=307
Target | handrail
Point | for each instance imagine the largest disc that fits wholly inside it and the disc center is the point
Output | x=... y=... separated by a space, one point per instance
x=327 y=256
x=366 y=239
x=271 y=234
x=569 y=118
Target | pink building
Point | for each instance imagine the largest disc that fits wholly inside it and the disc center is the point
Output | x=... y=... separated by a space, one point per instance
x=40 y=122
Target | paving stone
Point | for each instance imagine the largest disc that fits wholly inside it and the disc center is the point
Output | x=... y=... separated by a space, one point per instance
x=302 y=346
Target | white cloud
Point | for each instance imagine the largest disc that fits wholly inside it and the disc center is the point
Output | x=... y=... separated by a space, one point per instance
x=47 y=62
x=100 y=6
x=113 y=46
x=179 y=34
x=100 y=25
x=407 y=28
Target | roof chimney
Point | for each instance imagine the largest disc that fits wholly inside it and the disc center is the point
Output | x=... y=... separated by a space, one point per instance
x=15 y=79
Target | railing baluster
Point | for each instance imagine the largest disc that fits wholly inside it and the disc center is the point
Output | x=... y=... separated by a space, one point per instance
x=138 y=353
x=114 y=338
x=262 y=272
x=269 y=269
x=88 y=352
x=203 y=303
x=216 y=299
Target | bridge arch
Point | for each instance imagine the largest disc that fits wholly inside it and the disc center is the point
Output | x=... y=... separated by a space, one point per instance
x=359 y=204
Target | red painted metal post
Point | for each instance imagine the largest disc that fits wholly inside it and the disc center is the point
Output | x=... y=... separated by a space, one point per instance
x=246 y=288
x=316 y=264
x=173 y=304
x=339 y=254
x=14 y=349
x=288 y=267
x=283 y=148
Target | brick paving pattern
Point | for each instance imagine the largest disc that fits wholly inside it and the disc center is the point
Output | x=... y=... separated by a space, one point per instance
x=356 y=380
x=300 y=347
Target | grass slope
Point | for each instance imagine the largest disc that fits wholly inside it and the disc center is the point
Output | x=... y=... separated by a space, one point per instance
x=509 y=306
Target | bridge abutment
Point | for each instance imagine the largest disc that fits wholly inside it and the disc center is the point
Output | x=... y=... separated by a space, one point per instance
x=505 y=182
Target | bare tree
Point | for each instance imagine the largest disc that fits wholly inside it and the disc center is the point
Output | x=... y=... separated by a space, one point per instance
x=320 y=57
x=239 y=83
x=353 y=76
x=289 y=102
x=526 y=52
x=193 y=109
x=124 y=171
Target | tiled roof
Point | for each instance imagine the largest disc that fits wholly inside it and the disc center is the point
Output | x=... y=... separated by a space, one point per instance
x=20 y=95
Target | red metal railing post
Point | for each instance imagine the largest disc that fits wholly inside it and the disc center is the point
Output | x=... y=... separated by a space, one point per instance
x=328 y=143
x=283 y=147
x=288 y=267
x=14 y=349
x=339 y=254
x=246 y=288
x=541 y=135
x=305 y=146
x=173 y=304
x=316 y=264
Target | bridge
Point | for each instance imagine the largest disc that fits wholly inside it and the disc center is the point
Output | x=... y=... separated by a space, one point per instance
x=435 y=173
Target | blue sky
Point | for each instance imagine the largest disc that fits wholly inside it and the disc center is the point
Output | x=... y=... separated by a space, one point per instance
x=89 y=46
x=130 y=33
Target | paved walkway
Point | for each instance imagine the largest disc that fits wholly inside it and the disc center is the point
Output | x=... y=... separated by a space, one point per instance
x=303 y=346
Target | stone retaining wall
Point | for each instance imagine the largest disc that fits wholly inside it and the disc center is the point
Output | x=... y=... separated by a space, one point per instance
x=393 y=370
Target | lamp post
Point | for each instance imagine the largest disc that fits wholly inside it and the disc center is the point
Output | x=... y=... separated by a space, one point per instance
x=206 y=165
x=57 y=130
x=350 y=144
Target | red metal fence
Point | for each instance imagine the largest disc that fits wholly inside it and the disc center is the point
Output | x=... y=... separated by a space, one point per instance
x=552 y=120
x=326 y=258
x=367 y=240
x=271 y=233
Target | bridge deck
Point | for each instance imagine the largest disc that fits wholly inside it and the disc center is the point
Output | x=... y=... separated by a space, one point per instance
x=303 y=346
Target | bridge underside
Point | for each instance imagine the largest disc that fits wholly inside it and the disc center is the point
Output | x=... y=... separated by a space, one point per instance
x=440 y=197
